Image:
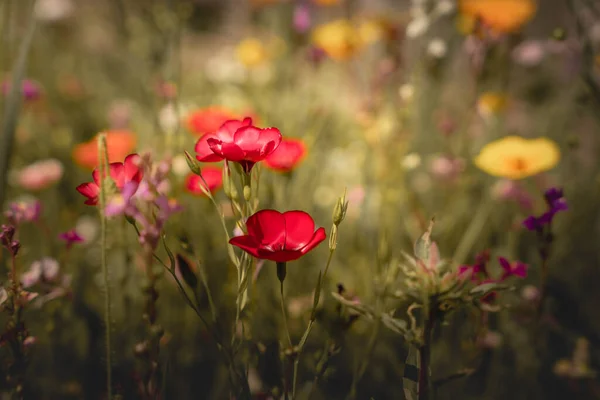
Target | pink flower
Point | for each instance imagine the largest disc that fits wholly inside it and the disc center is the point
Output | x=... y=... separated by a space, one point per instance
x=70 y=237
x=40 y=174
x=121 y=173
x=19 y=212
x=516 y=268
x=238 y=141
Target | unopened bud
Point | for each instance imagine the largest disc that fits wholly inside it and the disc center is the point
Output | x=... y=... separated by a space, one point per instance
x=192 y=163
x=247 y=193
x=233 y=193
x=339 y=212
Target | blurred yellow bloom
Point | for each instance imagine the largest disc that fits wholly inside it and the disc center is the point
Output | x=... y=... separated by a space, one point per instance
x=252 y=52
x=326 y=2
x=503 y=16
x=337 y=38
x=514 y=157
x=341 y=39
x=491 y=103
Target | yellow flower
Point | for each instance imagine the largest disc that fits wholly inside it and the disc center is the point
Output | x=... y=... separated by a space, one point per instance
x=515 y=157
x=371 y=31
x=491 y=103
x=252 y=52
x=326 y=2
x=339 y=39
x=503 y=16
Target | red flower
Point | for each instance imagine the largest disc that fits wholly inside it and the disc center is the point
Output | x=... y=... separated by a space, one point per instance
x=238 y=141
x=287 y=156
x=121 y=173
x=213 y=177
x=279 y=237
x=209 y=119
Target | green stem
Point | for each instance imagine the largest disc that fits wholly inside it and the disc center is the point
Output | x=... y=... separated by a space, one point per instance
x=426 y=391
x=103 y=165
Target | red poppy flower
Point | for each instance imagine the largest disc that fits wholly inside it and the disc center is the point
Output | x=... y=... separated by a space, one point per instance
x=213 y=177
x=121 y=173
x=279 y=237
x=238 y=141
x=287 y=156
x=209 y=119
x=118 y=145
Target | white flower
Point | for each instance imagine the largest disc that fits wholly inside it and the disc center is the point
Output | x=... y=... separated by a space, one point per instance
x=444 y=7
x=168 y=118
x=437 y=48
x=87 y=227
x=411 y=161
x=53 y=10
x=417 y=27
x=406 y=92
x=179 y=166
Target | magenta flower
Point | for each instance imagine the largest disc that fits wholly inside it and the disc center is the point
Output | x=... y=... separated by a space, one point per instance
x=477 y=271
x=516 y=268
x=555 y=203
x=70 y=237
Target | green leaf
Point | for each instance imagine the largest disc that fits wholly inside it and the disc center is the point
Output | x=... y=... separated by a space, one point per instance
x=187 y=272
x=169 y=253
x=423 y=244
x=485 y=288
x=397 y=325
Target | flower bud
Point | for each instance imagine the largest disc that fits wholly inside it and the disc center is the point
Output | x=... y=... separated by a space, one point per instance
x=192 y=163
x=247 y=193
x=339 y=212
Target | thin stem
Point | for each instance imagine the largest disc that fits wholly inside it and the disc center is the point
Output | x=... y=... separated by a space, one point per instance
x=284 y=315
x=103 y=164
x=300 y=346
x=425 y=383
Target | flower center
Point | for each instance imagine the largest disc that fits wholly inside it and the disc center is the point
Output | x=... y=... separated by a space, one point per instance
x=518 y=164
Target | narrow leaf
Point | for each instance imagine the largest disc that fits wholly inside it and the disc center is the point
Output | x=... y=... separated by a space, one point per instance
x=187 y=272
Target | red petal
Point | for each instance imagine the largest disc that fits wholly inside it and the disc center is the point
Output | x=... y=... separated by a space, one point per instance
x=246 y=243
x=116 y=173
x=132 y=169
x=203 y=150
x=288 y=154
x=89 y=190
x=299 y=229
x=257 y=143
x=279 y=256
x=96 y=176
x=317 y=238
x=229 y=151
x=268 y=228
x=228 y=129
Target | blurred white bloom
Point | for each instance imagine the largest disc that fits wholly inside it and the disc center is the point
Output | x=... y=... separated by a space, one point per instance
x=87 y=228
x=168 y=118
x=53 y=10
x=411 y=161
x=437 y=48
x=492 y=339
x=179 y=166
x=224 y=68
x=530 y=293
x=444 y=7
x=406 y=92
x=417 y=27
x=529 y=53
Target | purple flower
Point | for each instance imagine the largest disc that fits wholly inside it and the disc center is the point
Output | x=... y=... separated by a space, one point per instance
x=301 y=20
x=29 y=89
x=19 y=212
x=121 y=203
x=70 y=237
x=516 y=268
x=555 y=201
x=7 y=233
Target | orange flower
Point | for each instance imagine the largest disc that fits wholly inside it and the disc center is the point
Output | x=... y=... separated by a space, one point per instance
x=502 y=16
x=210 y=119
x=118 y=145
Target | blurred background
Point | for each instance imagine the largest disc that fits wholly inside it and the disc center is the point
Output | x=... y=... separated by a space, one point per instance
x=392 y=101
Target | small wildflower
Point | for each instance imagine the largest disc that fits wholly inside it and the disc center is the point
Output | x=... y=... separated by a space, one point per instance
x=287 y=155
x=20 y=212
x=70 y=237
x=516 y=268
x=118 y=145
x=501 y=16
x=40 y=174
x=251 y=52
x=211 y=179
x=437 y=48
x=555 y=203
